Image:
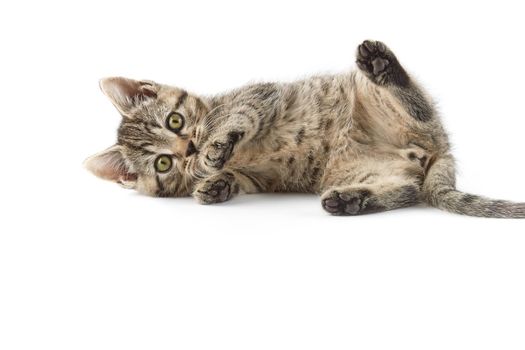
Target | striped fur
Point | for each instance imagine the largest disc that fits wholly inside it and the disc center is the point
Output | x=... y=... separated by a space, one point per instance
x=366 y=141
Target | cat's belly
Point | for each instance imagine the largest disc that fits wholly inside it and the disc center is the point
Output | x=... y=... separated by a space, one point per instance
x=289 y=168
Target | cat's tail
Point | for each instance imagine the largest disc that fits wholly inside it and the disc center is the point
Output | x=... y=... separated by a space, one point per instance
x=439 y=190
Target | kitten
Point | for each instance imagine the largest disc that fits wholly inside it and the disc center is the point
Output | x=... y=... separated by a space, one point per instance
x=366 y=141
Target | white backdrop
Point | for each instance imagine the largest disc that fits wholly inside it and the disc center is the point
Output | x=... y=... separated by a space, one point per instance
x=85 y=264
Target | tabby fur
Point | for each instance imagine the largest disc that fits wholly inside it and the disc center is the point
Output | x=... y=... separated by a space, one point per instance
x=366 y=141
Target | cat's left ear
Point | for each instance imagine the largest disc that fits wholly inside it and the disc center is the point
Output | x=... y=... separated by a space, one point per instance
x=128 y=93
x=111 y=165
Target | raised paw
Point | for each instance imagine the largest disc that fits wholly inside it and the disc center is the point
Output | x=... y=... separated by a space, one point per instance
x=379 y=64
x=349 y=202
x=219 y=150
x=217 y=189
x=371 y=57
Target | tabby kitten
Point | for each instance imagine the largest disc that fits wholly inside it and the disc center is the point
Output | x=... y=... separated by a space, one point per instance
x=366 y=141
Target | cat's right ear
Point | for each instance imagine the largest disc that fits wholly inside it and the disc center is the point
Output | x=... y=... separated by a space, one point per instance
x=110 y=164
x=128 y=93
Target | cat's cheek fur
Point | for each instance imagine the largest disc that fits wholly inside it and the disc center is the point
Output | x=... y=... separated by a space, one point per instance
x=146 y=185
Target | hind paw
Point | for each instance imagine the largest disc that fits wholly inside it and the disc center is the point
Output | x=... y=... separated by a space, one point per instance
x=379 y=64
x=350 y=202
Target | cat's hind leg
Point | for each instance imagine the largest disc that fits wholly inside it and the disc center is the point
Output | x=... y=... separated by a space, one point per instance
x=372 y=186
x=377 y=62
x=367 y=199
x=380 y=64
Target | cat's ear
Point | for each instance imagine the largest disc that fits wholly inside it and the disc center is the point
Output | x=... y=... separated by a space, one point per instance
x=128 y=93
x=110 y=164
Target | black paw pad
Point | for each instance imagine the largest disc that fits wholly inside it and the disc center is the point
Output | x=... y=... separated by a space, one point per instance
x=379 y=63
x=373 y=57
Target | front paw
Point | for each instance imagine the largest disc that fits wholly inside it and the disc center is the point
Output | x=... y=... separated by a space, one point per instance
x=219 y=150
x=216 y=189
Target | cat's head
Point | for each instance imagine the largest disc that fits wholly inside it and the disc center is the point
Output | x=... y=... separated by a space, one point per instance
x=153 y=153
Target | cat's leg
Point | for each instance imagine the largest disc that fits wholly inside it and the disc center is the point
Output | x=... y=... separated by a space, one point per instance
x=366 y=199
x=220 y=148
x=241 y=118
x=381 y=66
x=372 y=185
x=216 y=188
x=225 y=184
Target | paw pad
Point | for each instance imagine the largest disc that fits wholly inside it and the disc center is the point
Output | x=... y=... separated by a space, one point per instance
x=220 y=151
x=345 y=203
x=373 y=57
x=216 y=190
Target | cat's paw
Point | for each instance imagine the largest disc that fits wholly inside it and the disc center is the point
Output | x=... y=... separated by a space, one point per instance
x=348 y=202
x=219 y=150
x=379 y=64
x=216 y=189
x=372 y=58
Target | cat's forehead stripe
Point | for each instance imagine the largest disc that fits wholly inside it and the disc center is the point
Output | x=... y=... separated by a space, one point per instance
x=137 y=135
x=181 y=99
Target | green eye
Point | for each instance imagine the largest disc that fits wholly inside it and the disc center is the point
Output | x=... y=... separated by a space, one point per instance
x=175 y=121
x=163 y=163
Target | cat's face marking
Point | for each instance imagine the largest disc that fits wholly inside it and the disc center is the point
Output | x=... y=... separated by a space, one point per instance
x=153 y=142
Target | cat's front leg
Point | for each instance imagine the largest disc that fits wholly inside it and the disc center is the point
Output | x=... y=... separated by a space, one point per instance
x=225 y=184
x=219 y=149
x=216 y=188
x=242 y=117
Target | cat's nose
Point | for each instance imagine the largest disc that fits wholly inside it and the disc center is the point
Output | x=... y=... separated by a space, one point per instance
x=191 y=149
